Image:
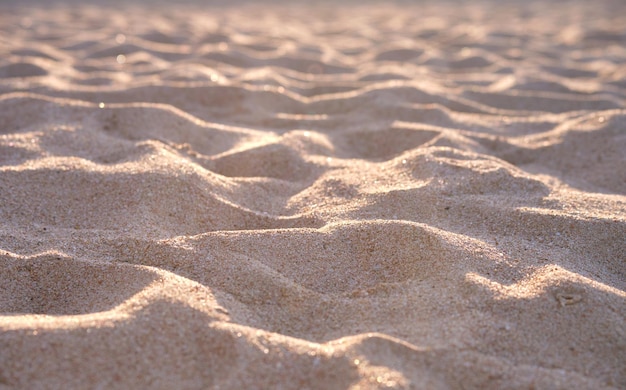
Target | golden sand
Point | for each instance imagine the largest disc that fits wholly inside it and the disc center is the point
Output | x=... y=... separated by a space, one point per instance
x=409 y=195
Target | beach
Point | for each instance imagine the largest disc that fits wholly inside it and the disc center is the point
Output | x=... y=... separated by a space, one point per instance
x=313 y=195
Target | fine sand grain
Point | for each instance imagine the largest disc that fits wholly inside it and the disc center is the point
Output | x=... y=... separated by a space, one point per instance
x=426 y=195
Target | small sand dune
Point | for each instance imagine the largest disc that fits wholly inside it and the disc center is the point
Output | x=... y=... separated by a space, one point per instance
x=285 y=195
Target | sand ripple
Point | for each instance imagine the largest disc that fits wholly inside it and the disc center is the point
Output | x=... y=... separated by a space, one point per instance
x=273 y=196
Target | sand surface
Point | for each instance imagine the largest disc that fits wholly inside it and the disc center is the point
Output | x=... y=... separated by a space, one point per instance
x=416 y=195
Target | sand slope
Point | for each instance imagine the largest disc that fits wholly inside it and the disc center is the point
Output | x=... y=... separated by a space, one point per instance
x=330 y=196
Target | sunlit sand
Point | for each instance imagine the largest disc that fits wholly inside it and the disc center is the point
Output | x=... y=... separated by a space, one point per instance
x=426 y=195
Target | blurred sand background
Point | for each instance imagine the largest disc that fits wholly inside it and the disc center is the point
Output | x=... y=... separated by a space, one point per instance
x=426 y=195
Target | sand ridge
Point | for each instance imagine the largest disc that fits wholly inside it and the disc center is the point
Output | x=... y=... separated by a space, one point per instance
x=320 y=196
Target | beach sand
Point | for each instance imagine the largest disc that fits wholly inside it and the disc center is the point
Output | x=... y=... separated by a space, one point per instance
x=426 y=195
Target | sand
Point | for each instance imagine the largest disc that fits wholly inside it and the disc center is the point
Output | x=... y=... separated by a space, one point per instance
x=426 y=195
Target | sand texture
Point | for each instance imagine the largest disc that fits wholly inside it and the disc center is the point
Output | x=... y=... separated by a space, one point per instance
x=425 y=195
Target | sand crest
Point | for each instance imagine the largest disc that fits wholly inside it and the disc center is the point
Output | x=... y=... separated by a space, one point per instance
x=291 y=195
